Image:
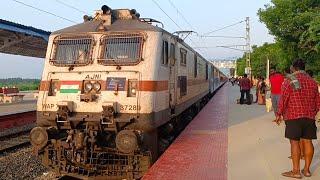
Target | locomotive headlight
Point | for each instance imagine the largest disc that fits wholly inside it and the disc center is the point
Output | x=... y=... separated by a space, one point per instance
x=88 y=87
x=133 y=91
x=132 y=88
x=96 y=86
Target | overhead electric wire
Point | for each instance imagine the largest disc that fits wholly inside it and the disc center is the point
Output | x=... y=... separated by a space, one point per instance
x=185 y=19
x=157 y=4
x=210 y=32
x=227 y=47
x=44 y=11
x=239 y=45
x=232 y=37
x=70 y=6
x=232 y=48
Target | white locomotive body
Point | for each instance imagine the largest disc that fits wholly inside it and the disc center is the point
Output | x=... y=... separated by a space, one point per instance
x=112 y=89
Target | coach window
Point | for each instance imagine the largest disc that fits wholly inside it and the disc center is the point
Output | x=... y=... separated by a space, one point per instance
x=165 y=52
x=183 y=56
x=182 y=85
x=195 y=65
x=207 y=71
x=172 y=51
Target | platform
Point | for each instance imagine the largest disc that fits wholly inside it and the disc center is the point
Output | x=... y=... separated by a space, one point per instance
x=230 y=141
x=29 y=103
x=200 y=151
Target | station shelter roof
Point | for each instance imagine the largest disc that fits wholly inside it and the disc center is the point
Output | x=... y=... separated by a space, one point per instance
x=22 y=40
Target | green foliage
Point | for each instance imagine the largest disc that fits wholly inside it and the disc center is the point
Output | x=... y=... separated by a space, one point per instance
x=274 y=52
x=296 y=27
x=22 y=84
x=241 y=64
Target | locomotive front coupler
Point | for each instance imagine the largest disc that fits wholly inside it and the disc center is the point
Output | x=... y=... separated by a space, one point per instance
x=64 y=111
x=108 y=113
x=80 y=139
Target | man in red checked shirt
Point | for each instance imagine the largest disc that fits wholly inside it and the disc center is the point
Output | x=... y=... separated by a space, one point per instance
x=298 y=106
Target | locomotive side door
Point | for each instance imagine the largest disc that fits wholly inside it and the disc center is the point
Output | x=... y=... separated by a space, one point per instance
x=172 y=78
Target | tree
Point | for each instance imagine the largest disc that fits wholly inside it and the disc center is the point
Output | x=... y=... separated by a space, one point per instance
x=296 y=26
x=241 y=64
x=259 y=55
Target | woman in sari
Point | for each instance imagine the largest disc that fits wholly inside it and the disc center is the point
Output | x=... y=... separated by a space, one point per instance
x=262 y=92
x=257 y=88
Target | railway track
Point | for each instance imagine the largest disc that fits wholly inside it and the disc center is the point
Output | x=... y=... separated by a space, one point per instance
x=13 y=143
x=14 y=130
x=17 y=119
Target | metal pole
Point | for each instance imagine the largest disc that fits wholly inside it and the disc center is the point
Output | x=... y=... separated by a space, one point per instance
x=248 y=47
x=268 y=70
x=248 y=43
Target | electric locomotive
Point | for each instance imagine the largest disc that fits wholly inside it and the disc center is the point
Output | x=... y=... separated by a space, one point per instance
x=113 y=88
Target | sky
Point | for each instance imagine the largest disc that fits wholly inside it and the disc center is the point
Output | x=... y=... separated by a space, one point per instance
x=201 y=16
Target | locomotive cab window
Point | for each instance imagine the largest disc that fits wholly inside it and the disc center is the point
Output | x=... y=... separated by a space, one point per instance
x=72 y=51
x=121 y=49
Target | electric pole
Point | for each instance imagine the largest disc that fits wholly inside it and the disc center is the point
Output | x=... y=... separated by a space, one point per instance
x=248 y=62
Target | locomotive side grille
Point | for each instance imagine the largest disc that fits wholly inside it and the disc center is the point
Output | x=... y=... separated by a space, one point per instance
x=72 y=51
x=121 y=49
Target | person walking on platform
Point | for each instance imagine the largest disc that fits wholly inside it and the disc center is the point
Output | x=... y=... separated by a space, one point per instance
x=298 y=106
x=276 y=79
x=245 y=86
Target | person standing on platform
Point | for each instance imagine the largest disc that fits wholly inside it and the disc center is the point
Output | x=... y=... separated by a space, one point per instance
x=262 y=92
x=245 y=86
x=257 y=88
x=276 y=79
x=298 y=106
x=232 y=80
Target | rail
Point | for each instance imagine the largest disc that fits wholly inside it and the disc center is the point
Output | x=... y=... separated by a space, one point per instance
x=15 y=130
x=16 y=120
x=14 y=142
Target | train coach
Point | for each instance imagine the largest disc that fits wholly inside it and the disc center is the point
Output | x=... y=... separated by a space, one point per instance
x=114 y=90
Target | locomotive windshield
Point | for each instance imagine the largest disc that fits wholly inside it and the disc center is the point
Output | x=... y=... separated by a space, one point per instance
x=69 y=51
x=121 y=49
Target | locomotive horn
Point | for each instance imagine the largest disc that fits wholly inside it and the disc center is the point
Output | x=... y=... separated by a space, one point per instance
x=105 y=9
x=133 y=11
x=87 y=18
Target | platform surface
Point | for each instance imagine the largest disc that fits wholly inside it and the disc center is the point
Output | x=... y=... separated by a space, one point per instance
x=200 y=151
x=230 y=141
x=29 y=103
x=257 y=148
